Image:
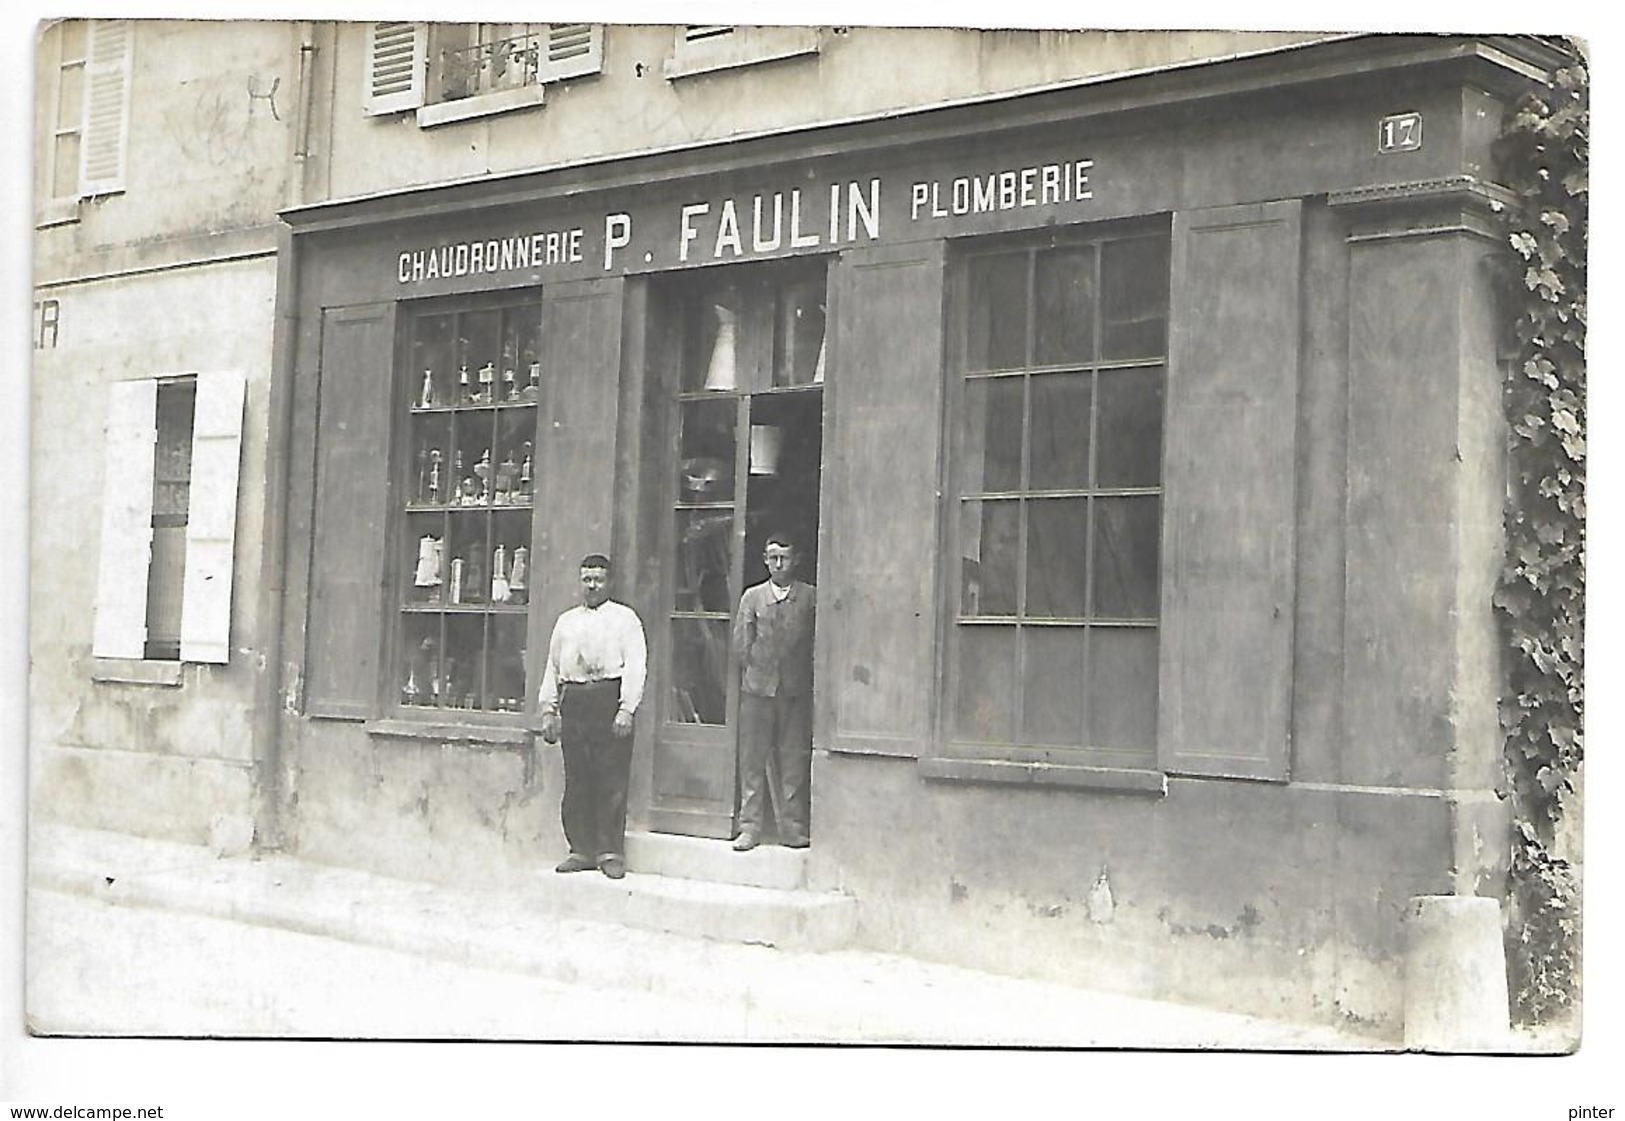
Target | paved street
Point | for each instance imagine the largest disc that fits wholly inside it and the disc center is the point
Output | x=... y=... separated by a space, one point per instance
x=99 y=968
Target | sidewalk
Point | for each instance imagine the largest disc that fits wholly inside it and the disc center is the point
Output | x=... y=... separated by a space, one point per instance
x=754 y=993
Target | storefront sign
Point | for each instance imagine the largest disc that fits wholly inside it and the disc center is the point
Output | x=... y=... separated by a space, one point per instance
x=777 y=220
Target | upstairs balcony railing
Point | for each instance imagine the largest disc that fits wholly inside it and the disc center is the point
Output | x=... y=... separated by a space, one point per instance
x=493 y=66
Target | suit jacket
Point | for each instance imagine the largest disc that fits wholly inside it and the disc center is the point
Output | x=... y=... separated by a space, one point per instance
x=773 y=640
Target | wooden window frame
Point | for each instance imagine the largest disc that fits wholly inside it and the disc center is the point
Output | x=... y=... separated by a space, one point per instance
x=952 y=758
x=406 y=517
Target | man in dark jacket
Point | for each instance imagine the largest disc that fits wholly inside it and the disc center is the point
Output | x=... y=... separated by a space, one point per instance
x=773 y=639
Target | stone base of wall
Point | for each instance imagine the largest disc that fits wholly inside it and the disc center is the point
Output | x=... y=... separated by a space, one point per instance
x=166 y=797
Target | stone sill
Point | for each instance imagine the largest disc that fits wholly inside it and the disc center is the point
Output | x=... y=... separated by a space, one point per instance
x=483 y=105
x=1124 y=779
x=131 y=671
x=474 y=735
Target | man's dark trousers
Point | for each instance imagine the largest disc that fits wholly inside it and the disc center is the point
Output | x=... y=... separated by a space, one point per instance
x=775 y=758
x=597 y=768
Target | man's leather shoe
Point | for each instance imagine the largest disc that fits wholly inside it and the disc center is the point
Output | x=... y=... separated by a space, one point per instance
x=613 y=867
x=797 y=844
x=745 y=842
x=575 y=862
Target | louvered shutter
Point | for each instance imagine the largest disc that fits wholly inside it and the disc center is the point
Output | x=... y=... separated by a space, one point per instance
x=107 y=108
x=397 y=67
x=126 y=544
x=211 y=518
x=573 y=49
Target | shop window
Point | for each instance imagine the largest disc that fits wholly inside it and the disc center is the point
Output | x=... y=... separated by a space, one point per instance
x=168 y=519
x=472 y=386
x=87 y=102
x=453 y=71
x=1057 y=416
x=701 y=49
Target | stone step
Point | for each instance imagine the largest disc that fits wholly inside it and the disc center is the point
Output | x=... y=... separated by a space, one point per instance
x=787 y=918
x=700 y=858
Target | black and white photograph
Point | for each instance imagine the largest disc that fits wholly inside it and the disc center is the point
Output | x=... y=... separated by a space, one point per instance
x=937 y=539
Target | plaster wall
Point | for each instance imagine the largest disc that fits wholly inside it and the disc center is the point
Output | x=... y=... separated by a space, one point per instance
x=212 y=108
x=631 y=107
x=161 y=760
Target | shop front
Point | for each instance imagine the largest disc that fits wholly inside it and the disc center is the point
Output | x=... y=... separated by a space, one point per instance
x=1151 y=496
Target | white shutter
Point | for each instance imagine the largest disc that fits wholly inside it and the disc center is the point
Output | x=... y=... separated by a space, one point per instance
x=126 y=544
x=397 y=67
x=573 y=49
x=211 y=518
x=107 y=108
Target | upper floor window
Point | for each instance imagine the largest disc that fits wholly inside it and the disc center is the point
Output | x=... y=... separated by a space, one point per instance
x=448 y=72
x=86 y=100
x=702 y=48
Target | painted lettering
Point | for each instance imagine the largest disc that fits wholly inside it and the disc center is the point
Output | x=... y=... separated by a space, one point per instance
x=760 y=242
x=983 y=201
x=799 y=240
x=1028 y=175
x=728 y=231
x=687 y=232
x=617 y=235
x=858 y=209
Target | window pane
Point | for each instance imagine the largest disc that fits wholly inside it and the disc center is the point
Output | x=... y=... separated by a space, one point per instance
x=704 y=544
x=467 y=573
x=1064 y=286
x=1130 y=428
x=990 y=457
x=990 y=542
x=70 y=106
x=1057 y=558
x=799 y=336
x=1060 y=440
x=432 y=482
x=719 y=360
x=1052 y=685
x=1125 y=557
x=434 y=379
x=699 y=669
x=506 y=673
x=706 y=470
x=479 y=351
x=421 y=681
x=75 y=34
x=65 y=166
x=513 y=466
x=984 y=701
x=510 y=558
x=1134 y=298
x=1121 y=694
x=464 y=662
x=472 y=474
x=996 y=329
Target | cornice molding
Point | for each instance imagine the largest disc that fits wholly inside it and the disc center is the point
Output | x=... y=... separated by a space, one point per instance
x=1455 y=204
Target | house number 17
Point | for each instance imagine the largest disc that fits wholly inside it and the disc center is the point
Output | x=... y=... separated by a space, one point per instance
x=1401 y=132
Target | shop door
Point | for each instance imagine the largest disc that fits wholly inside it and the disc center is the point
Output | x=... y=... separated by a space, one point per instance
x=747 y=413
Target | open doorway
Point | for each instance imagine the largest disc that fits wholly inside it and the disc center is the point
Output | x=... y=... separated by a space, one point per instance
x=745 y=401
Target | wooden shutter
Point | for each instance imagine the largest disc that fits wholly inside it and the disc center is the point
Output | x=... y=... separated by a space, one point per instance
x=1229 y=492
x=573 y=49
x=126 y=543
x=107 y=108
x=211 y=518
x=575 y=499
x=397 y=71
x=342 y=634
x=879 y=549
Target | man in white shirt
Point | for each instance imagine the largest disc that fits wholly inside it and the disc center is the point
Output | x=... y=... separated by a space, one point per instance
x=591 y=687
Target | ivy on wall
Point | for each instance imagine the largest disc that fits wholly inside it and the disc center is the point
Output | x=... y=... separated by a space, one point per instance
x=1543 y=157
